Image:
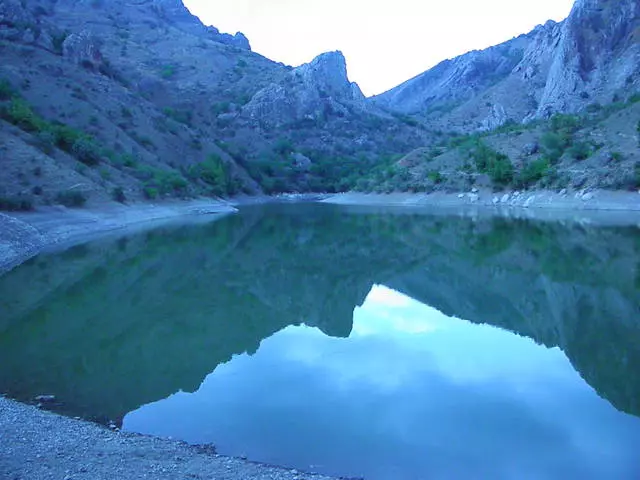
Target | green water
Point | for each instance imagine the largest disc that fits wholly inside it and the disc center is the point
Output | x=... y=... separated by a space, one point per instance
x=389 y=344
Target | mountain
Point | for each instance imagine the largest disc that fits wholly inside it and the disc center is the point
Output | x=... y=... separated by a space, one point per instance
x=557 y=108
x=135 y=100
x=592 y=56
x=122 y=101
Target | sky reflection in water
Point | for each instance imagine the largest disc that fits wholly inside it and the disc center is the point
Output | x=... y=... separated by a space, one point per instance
x=410 y=394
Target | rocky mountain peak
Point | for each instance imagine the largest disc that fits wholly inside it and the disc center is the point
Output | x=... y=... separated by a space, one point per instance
x=597 y=55
x=312 y=91
x=175 y=12
x=328 y=72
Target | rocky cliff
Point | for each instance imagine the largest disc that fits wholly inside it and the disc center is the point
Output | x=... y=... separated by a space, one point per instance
x=593 y=56
x=597 y=56
x=312 y=91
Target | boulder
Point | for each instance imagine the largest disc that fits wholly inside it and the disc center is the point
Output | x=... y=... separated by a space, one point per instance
x=531 y=149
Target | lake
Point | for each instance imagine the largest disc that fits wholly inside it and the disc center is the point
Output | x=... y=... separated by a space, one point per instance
x=377 y=343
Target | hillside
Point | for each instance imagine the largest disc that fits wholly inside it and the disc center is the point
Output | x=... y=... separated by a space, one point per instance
x=591 y=57
x=119 y=101
x=555 y=108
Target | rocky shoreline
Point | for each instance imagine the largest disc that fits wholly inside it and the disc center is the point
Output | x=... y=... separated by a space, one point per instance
x=39 y=445
x=613 y=207
x=540 y=199
x=24 y=235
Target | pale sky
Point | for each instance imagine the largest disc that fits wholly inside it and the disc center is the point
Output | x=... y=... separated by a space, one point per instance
x=385 y=41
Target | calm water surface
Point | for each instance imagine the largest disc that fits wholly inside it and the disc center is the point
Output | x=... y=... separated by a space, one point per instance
x=385 y=344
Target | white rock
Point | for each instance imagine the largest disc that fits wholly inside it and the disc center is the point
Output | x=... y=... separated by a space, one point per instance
x=505 y=198
x=495 y=200
x=474 y=190
x=588 y=196
x=474 y=197
x=563 y=192
x=45 y=398
x=529 y=201
x=461 y=195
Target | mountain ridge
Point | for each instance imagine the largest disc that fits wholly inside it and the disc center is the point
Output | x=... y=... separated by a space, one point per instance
x=590 y=56
x=141 y=101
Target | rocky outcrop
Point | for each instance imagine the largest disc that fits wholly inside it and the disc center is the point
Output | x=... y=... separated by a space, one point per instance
x=175 y=12
x=496 y=118
x=313 y=91
x=598 y=54
x=84 y=49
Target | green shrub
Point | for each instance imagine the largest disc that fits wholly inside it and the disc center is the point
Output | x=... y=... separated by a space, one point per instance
x=57 y=42
x=533 y=172
x=118 y=195
x=126 y=112
x=150 y=192
x=161 y=182
x=565 y=123
x=124 y=160
x=616 y=156
x=215 y=173
x=580 y=151
x=635 y=98
x=15 y=204
x=65 y=136
x=87 y=151
x=168 y=71
x=173 y=181
x=6 y=90
x=554 y=145
x=493 y=163
x=435 y=177
x=222 y=107
x=144 y=141
x=181 y=116
x=71 y=198
x=283 y=147
x=21 y=115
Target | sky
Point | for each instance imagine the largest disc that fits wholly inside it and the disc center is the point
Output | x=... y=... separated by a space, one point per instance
x=385 y=42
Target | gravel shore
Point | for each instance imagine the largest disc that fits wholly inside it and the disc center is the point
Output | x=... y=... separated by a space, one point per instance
x=39 y=445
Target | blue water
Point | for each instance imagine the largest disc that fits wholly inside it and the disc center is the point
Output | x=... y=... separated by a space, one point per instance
x=389 y=344
x=411 y=394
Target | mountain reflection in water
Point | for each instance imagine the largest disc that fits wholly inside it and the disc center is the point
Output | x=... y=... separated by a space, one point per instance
x=114 y=325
